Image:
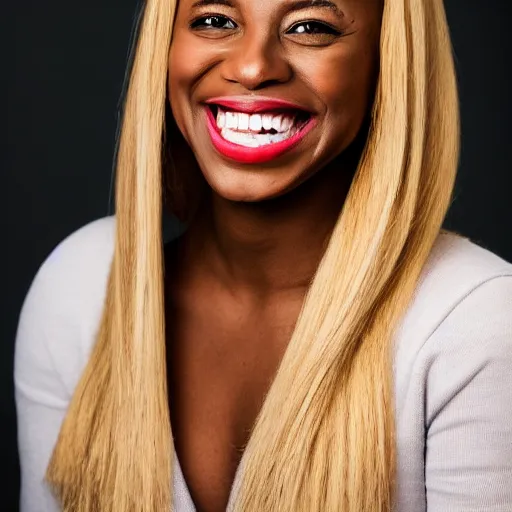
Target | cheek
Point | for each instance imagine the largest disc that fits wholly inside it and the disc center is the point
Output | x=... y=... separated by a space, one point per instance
x=181 y=61
x=175 y=80
x=343 y=80
x=180 y=79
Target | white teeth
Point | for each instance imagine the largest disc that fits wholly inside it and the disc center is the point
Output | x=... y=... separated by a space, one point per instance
x=254 y=140
x=255 y=123
x=266 y=121
x=243 y=121
x=221 y=119
x=231 y=120
x=242 y=128
x=276 y=123
x=243 y=138
x=286 y=123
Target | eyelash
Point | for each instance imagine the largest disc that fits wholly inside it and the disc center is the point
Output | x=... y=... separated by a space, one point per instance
x=199 y=24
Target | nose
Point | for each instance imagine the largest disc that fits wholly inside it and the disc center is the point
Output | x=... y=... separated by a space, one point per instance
x=256 y=62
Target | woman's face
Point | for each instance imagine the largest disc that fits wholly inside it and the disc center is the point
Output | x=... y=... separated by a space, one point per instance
x=267 y=92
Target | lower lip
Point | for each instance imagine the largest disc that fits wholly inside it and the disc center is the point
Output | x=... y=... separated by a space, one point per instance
x=248 y=155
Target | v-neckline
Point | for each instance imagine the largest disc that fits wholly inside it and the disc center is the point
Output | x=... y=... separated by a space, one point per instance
x=180 y=484
x=177 y=229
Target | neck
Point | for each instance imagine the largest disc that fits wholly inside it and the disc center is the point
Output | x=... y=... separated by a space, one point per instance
x=271 y=246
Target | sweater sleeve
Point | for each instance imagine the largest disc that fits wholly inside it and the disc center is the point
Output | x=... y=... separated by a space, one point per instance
x=56 y=332
x=41 y=399
x=468 y=459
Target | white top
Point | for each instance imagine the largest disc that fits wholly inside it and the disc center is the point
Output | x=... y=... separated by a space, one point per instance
x=453 y=373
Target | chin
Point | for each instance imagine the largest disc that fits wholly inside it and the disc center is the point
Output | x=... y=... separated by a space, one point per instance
x=250 y=187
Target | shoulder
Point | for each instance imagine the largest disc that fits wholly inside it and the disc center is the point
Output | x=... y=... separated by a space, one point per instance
x=453 y=382
x=62 y=310
x=460 y=261
x=460 y=315
x=456 y=268
x=86 y=249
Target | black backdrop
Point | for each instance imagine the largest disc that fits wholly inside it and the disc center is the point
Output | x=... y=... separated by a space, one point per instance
x=65 y=66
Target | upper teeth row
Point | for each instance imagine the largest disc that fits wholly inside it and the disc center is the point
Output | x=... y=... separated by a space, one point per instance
x=254 y=122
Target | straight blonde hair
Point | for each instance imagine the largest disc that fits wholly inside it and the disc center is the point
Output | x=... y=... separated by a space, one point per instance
x=324 y=439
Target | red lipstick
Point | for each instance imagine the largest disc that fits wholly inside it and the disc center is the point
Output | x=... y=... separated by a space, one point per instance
x=251 y=155
x=252 y=105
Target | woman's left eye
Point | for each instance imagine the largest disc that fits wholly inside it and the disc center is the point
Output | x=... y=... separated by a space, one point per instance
x=312 y=28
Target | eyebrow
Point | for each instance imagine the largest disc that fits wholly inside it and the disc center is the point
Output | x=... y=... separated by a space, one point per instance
x=295 y=6
x=308 y=4
x=203 y=3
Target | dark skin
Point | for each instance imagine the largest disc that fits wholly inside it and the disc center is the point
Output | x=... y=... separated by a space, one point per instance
x=236 y=280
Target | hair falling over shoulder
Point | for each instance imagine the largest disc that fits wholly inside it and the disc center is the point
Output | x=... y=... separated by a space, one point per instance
x=325 y=437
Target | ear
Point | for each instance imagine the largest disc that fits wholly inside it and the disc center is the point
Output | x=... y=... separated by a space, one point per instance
x=183 y=183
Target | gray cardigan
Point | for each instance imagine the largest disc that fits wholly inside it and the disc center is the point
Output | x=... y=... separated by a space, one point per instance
x=453 y=373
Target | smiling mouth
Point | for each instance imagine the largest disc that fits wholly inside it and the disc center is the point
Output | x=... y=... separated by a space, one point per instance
x=258 y=129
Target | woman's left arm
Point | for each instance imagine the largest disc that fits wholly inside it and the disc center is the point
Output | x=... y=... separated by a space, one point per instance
x=468 y=458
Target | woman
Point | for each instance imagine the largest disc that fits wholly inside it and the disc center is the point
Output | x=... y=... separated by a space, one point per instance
x=316 y=341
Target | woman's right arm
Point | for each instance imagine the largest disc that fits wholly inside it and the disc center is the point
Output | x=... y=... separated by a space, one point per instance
x=41 y=397
x=56 y=331
x=41 y=401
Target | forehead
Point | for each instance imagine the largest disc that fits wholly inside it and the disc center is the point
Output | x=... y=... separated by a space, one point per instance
x=344 y=6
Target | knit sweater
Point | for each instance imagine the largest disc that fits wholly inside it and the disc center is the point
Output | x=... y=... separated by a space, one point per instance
x=452 y=373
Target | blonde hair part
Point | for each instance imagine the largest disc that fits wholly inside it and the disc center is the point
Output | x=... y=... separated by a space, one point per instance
x=324 y=439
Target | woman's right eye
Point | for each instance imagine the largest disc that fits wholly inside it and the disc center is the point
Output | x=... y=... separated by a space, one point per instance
x=213 y=22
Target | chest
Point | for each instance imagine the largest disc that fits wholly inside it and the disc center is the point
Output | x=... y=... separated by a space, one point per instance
x=220 y=368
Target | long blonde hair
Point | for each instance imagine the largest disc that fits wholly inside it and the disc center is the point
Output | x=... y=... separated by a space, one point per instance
x=325 y=436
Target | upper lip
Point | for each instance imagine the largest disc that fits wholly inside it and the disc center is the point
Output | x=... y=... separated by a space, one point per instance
x=253 y=104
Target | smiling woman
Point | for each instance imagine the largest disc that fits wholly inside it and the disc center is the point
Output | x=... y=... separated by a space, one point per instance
x=308 y=67
x=311 y=340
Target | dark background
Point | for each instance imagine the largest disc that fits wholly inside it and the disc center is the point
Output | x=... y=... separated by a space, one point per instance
x=65 y=65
